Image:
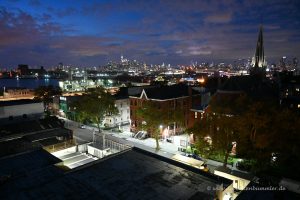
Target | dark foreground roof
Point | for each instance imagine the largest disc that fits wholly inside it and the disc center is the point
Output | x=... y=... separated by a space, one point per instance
x=21 y=164
x=129 y=175
x=29 y=126
x=19 y=102
x=16 y=146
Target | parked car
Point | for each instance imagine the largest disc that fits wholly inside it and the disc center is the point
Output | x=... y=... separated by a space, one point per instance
x=144 y=136
x=141 y=135
x=82 y=126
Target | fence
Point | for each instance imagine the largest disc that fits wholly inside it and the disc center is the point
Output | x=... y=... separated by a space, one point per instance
x=59 y=146
x=115 y=146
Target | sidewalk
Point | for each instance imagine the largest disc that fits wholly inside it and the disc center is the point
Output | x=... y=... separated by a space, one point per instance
x=167 y=149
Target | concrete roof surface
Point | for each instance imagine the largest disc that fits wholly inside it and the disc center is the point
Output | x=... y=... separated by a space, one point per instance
x=130 y=175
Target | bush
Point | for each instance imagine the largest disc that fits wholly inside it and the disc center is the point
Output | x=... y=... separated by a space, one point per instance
x=216 y=156
x=245 y=165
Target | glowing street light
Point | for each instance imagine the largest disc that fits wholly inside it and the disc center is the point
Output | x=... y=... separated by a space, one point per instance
x=201 y=80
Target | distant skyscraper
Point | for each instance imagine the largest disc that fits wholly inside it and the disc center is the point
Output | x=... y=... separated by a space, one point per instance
x=258 y=61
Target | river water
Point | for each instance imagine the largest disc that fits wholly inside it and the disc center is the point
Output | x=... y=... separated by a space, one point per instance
x=27 y=83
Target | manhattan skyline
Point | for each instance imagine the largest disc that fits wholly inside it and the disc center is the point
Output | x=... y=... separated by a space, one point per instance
x=91 y=33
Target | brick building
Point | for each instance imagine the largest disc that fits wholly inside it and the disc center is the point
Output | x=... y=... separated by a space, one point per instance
x=189 y=99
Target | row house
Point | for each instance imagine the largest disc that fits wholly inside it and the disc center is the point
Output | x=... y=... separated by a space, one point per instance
x=185 y=98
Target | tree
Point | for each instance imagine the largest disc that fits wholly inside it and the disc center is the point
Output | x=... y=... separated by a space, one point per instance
x=95 y=105
x=223 y=127
x=283 y=143
x=220 y=124
x=202 y=132
x=46 y=94
x=266 y=134
x=177 y=116
x=254 y=133
x=154 y=117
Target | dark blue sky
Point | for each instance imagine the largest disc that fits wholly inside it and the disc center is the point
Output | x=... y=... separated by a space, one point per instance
x=90 y=32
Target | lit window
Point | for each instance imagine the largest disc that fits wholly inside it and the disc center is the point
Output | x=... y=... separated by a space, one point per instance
x=298 y=105
x=196 y=115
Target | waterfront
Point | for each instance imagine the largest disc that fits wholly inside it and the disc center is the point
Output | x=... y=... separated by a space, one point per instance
x=27 y=83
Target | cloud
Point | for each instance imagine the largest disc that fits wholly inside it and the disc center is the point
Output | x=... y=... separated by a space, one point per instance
x=153 y=31
x=34 y=3
x=218 y=18
x=271 y=27
x=199 y=52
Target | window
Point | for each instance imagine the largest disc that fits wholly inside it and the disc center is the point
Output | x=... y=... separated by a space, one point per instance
x=196 y=115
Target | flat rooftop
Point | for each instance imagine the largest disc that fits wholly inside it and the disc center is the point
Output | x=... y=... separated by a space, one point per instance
x=130 y=175
x=19 y=102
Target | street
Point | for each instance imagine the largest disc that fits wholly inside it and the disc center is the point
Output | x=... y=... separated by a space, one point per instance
x=84 y=135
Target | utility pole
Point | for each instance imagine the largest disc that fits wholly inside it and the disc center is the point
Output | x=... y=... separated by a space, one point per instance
x=103 y=138
x=94 y=138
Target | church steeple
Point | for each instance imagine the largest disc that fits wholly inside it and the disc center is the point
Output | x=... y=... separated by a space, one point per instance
x=259 y=53
x=258 y=61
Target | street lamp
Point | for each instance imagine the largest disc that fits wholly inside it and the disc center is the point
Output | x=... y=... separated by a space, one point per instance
x=74 y=114
x=160 y=127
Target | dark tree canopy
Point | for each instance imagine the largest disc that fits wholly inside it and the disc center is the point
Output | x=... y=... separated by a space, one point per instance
x=153 y=115
x=95 y=104
x=263 y=131
x=46 y=94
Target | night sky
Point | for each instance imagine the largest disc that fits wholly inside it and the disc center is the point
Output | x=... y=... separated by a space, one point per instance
x=90 y=33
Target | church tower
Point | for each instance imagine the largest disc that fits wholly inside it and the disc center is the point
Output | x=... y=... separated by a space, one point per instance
x=258 y=65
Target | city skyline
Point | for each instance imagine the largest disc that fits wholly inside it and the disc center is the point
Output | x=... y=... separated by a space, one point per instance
x=176 y=32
